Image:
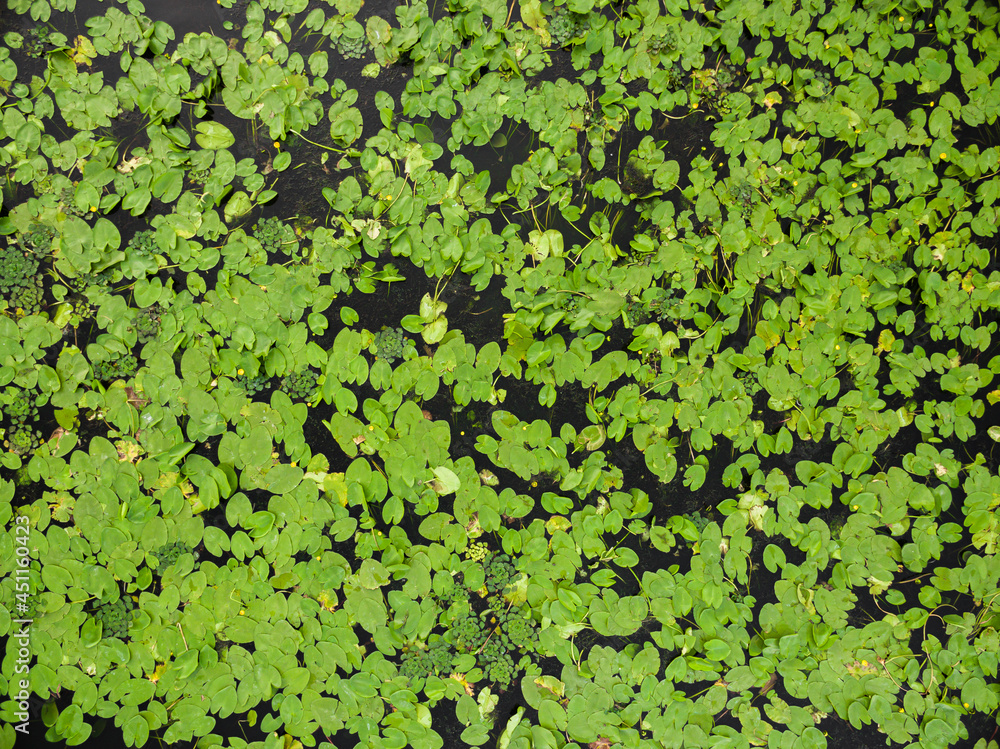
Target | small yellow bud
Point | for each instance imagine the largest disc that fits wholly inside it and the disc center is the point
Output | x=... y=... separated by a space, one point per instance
x=854 y=507
x=854 y=184
x=901 y=710
x=864 y=663
x=965 y=704
x=534 y=483
x=277 y=144
x=93 y=209
x=242 y=612
x=902 y=20
x=371 y=428
x=239 y=371
x=944 y=156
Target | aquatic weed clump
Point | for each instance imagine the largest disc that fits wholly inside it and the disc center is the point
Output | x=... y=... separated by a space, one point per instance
x=20 y=281
x=121 y=369
x=19 y=406
x=496 y=637
x=389 y=344
x=300 y=385
x=142 y=243
x=23 y=439
x=420 y=662
x=500 y=572
x=251 y=384
x=39 y=237
x=352 y=44
x=662 y=42
x=274 y=235
x=167 y=554
x=564 y=25
x=147 y=324
x=115 y=617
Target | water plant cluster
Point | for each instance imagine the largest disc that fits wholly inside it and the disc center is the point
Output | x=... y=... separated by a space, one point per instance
x=692 y=443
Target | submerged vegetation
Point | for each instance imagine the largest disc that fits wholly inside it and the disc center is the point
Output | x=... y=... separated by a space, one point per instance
x=542 y=375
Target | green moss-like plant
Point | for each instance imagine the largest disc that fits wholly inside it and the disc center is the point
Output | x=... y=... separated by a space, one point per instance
x=300 y=385
x=120 y=369
x=20 y=281
x=115 y=617
x=390 y=343
x=169 y=553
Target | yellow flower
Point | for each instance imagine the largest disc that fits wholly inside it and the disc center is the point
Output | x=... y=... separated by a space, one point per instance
x=864 y=663
x=965 y=704
x=93 y=209
x=901 y=710
x=944 y=156
x=854 y=507
x=242 y=612
x=854 y=184
x=902 y=20
x=239 y=371
x=277 y=144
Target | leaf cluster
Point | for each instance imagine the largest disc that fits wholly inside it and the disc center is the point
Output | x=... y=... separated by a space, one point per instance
x=115 y=617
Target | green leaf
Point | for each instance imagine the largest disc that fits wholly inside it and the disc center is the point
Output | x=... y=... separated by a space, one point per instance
x=213 y=135
x=447 y=481
x=476 y=734
x=91 y=632
x=435 y=331
x=717 y=650
x=326 y=712
x=239 y=204
x=774 y=558
x=282 y=161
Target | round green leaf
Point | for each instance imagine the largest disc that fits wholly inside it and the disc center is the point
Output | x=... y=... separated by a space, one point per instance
x=213 y=136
